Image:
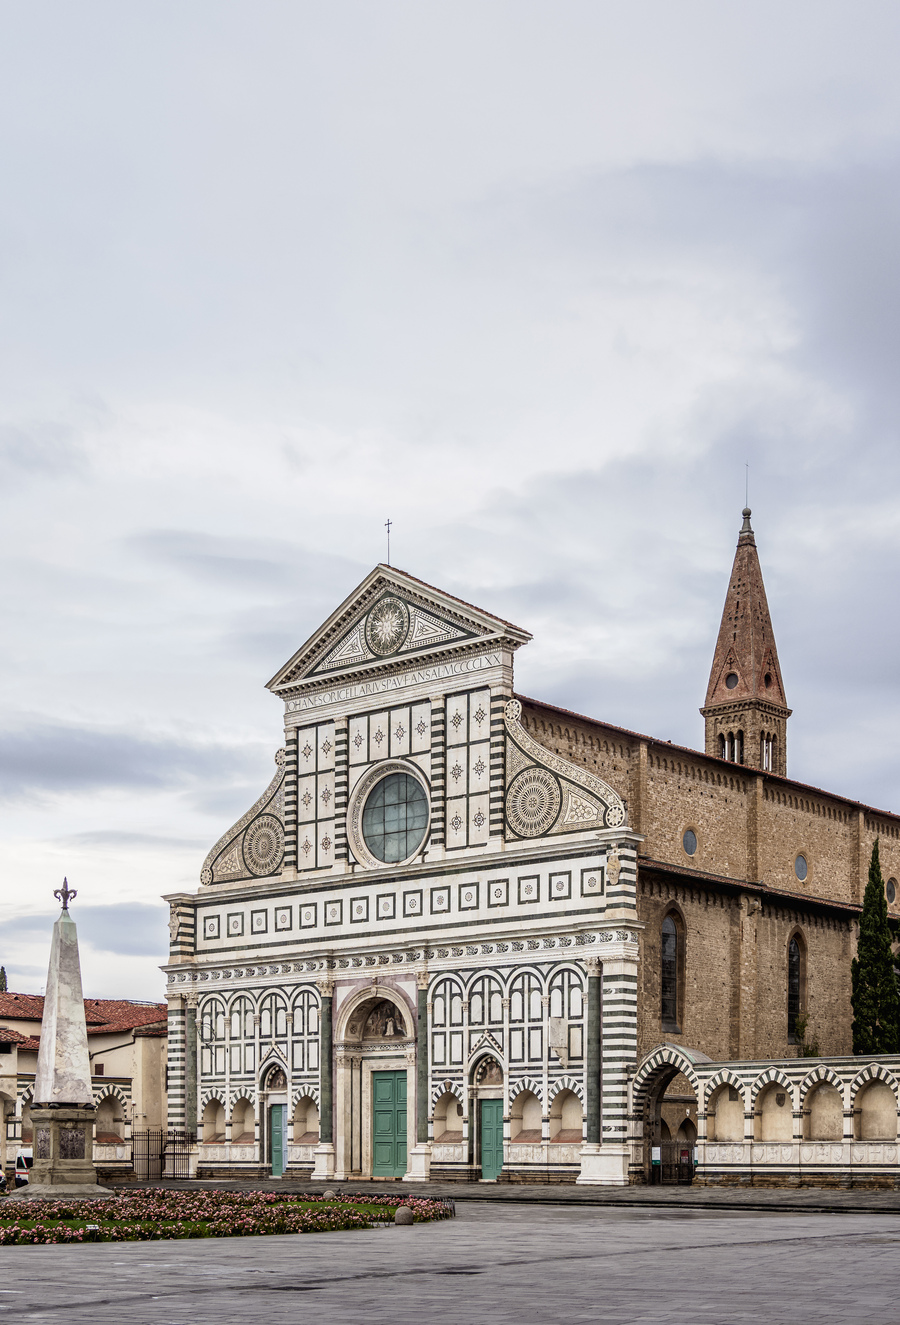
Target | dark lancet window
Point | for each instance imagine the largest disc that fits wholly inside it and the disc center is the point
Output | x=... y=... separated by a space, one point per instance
x=670 y=963
x=793 y=989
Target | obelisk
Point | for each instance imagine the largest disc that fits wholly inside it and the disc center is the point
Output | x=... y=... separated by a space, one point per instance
x=63 y=1111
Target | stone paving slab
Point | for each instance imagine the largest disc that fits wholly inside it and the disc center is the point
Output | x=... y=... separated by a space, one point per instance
x=516 y=1264
x=784 y=1199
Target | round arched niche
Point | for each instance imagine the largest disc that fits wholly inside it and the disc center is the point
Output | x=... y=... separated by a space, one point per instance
x=380 y=1019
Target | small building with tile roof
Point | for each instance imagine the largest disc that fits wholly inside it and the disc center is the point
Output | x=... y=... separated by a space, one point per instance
x=127 y=1051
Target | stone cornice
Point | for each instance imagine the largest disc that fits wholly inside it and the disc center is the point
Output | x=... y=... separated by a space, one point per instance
x=601 y=939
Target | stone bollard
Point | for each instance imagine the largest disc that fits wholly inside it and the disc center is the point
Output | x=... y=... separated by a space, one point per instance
x=403 y=1215
x=330 y=1195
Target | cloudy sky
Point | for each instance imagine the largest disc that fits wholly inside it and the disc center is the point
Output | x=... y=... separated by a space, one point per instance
x=535 y=280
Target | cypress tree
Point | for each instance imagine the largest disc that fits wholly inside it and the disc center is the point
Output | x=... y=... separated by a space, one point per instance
x=875 y=999
x=2 y=979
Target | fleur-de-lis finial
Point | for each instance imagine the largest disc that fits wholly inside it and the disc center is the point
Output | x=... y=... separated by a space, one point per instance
x=64 y=894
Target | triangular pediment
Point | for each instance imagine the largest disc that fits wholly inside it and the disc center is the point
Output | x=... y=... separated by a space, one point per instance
x=391 y=617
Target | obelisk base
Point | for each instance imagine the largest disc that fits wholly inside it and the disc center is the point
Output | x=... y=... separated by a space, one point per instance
x=63 y=1154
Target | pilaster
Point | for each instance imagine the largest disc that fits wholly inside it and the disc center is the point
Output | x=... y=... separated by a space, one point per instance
x=290 y=802
x=498 y=765
x=324 y=1161
x=438 y=771
x=341 y=784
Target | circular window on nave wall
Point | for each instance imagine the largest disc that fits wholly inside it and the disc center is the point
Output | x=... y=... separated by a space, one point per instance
x=801 y=868
x=689 y=841
x=395 y=818
x=890 y=889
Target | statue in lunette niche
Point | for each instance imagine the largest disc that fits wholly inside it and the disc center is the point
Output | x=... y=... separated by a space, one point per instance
x=384 y=1022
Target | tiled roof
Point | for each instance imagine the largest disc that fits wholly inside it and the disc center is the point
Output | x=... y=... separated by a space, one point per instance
x=101 y=1014
x=156 y=1028
x=14 y=1037
x=709 y=759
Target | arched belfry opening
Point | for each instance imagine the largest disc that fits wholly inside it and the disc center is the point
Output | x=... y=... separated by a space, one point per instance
x=375 y=1058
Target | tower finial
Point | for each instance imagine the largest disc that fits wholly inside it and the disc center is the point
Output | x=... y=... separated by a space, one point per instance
x=64 y=894
x=745 y=527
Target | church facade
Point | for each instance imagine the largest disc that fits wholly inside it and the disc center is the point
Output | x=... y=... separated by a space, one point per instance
x=447 y=933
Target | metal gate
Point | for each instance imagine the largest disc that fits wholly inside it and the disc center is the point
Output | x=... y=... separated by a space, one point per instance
x=674 y=1165
x=147 y=1154
x=157 y=1153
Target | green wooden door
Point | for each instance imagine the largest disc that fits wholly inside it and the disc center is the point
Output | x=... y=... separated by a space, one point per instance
x=491 y=1138
x=277 y=1139
x=388 y=1124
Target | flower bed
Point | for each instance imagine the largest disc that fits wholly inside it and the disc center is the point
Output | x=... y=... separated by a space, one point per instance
x=160 y=1213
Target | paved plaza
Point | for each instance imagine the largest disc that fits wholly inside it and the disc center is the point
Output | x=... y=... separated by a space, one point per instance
x=493 y=1263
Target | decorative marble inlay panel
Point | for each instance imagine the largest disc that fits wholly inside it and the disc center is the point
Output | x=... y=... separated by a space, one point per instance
x=573 y=798
x=479 y=817
x=479 y=768
x=455 y=831
x=533 y=802
x=387 y=626
x=480 y=715
x=264 y=845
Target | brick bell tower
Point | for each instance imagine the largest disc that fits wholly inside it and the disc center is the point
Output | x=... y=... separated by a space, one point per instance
x=746 y=712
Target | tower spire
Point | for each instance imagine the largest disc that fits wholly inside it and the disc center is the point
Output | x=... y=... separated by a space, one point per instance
x=746 y=711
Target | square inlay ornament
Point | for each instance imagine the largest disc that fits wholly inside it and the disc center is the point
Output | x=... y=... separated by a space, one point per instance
x=308 y=915
x=359 y=910
x=386 y=905
x=468 y=897
x=498 y=892
x=529 y=889
x=561 y=886
x=259 y=922
x=412 y=903
x=334 y=913
x=284 y=917
x=234 y=926
x=440 y=900
x=592 y=882
x=211 y=927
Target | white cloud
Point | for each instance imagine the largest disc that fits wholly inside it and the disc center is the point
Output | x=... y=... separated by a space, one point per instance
x=533 y=280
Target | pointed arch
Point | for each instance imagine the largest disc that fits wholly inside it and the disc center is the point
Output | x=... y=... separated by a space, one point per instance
x=565 y=1083
x=673 y=933
x=724 y=1078
x=106 y=1091
x=526 y=1083
x=216 y=1093
x=818 y=1075
x=773 y=1076
x=871 y=1072
x=663 y=1063
x=453 y=1088
x=305 y=1091
x=796 y=953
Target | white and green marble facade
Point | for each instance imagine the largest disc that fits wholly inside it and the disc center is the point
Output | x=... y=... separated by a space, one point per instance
x=508 y=944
